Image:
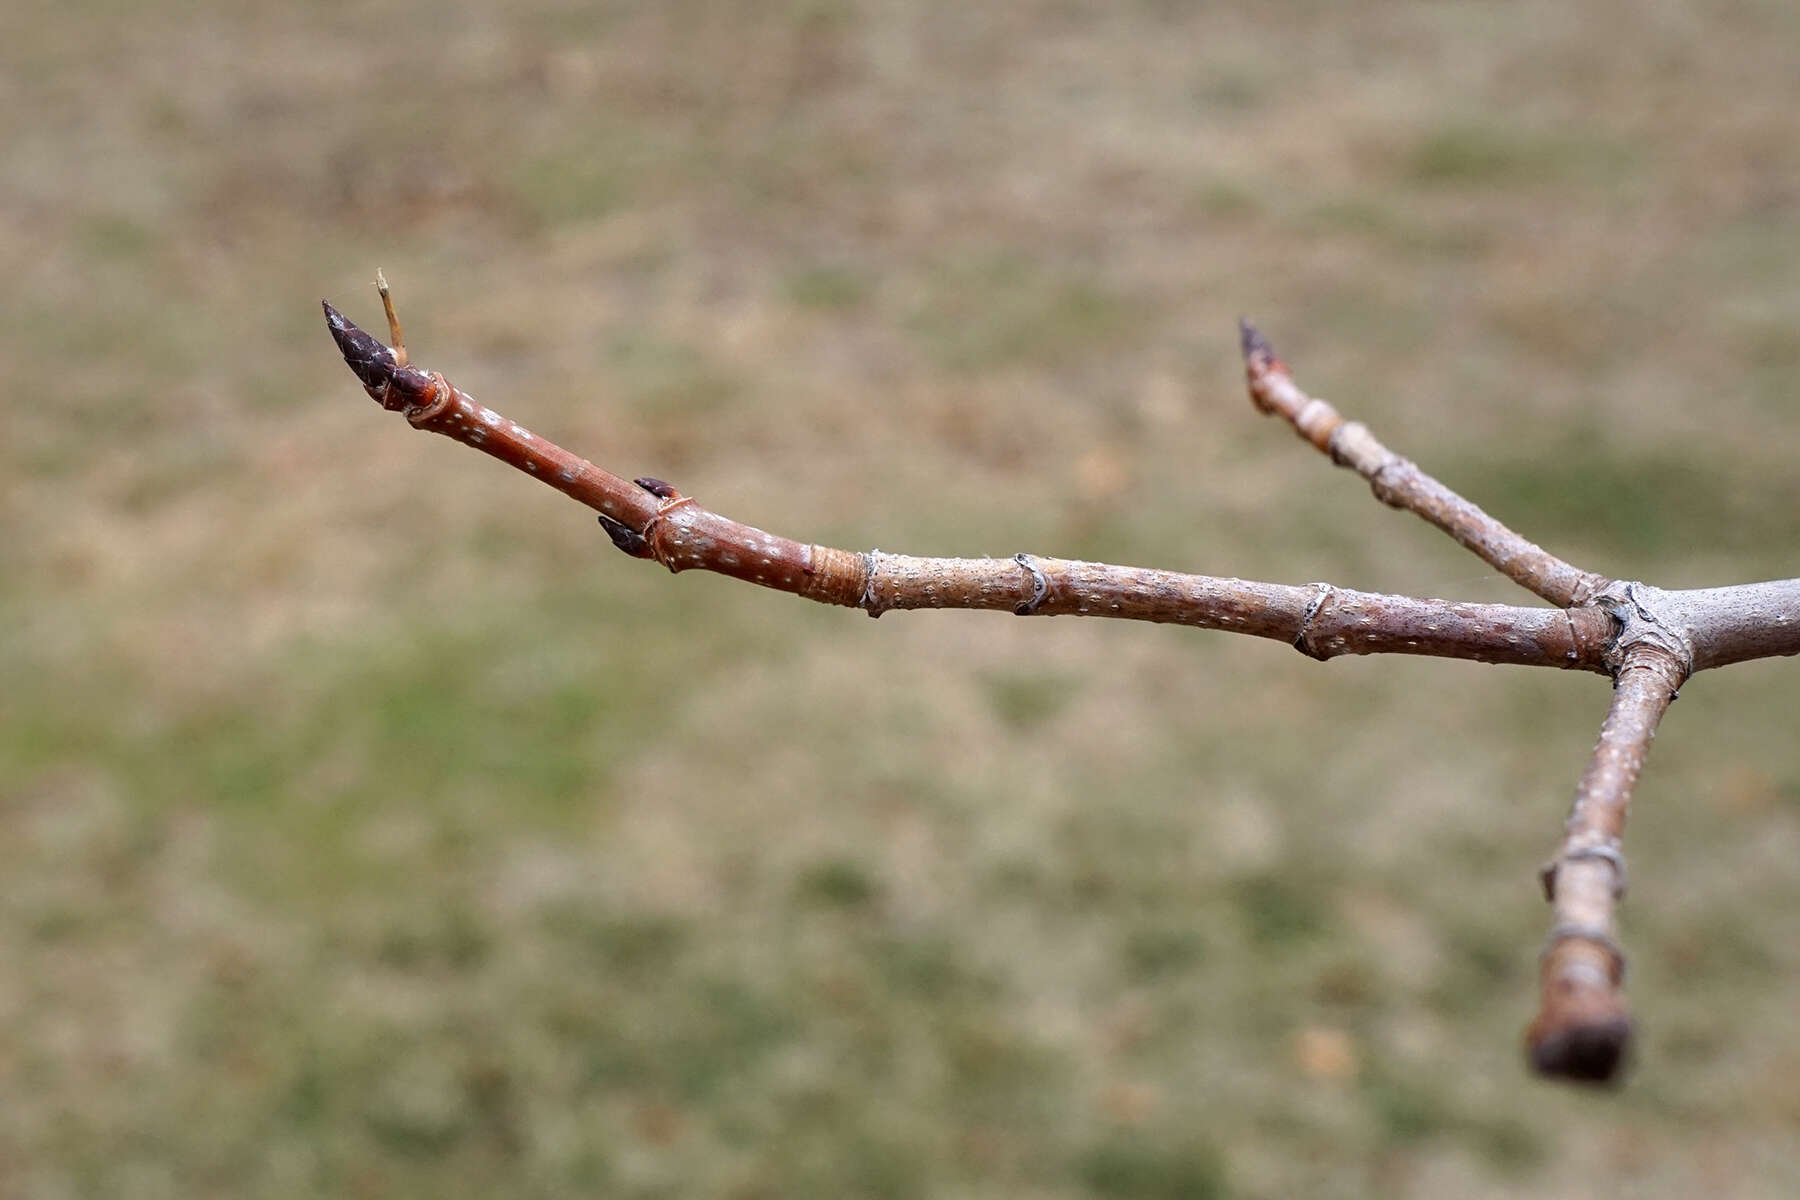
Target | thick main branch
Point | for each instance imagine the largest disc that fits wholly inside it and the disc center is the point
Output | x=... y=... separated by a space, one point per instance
x=1728 y=625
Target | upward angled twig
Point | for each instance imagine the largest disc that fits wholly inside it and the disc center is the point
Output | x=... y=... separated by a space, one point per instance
x=1649 y=640
x=1398 y=482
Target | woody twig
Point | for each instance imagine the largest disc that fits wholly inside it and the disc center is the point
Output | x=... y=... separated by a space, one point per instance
x=1647 y=639
x=1399 y=482
x=648 y=518
x=1583 y=1030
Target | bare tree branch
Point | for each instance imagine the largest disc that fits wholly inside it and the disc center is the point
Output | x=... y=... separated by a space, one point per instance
x=1583 y=1029
x=1399 y=482
x=648 y=518
x=1648 y=639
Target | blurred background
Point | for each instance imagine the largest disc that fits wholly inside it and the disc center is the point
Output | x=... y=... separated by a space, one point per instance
x=372 y=827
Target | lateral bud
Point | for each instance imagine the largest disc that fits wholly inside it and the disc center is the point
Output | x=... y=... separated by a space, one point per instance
x=626 y=538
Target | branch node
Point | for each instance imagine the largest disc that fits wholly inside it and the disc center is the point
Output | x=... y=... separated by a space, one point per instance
x=1607 y=851
x=1319 y=423
x=1391 y=474
x=1306 y=619
x=651 y=535
x=1351 y=443
x=1040 y=586
x=872 y=602
x=1594 y=934
x=1587 y=590
x=1637 y=609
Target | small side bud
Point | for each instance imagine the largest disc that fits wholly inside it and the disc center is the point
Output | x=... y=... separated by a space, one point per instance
x=657 y=488
x=626 y=538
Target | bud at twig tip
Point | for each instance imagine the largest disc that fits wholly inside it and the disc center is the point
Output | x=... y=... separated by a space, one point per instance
x=371 y=361
x=657 y=488
x=1254 y=344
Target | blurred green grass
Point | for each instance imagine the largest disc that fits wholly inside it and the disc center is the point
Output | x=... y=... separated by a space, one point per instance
x=374 y=828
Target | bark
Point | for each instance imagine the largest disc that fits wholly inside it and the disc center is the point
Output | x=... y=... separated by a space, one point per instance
x=648 y=518
x=1399 y=483
x=1583 y=1028
x=1728 y=625
x=1649 y=640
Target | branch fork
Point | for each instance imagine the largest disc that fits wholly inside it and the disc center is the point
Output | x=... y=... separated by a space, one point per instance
x=1649 y=641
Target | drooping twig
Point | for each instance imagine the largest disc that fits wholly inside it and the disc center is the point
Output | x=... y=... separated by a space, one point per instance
x=1649 y=640
x=1399 y=482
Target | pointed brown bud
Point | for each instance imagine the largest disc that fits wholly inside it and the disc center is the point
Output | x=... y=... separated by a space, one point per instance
x=372 y=362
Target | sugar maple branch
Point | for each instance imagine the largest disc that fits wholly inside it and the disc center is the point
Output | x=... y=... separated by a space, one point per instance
x=1398 y=482
x=1583 y=1029
x=650 y=519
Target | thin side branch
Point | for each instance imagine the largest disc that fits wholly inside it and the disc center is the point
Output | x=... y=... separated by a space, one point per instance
x=648 y=518
x=1398 y=482
x=1583 y=1027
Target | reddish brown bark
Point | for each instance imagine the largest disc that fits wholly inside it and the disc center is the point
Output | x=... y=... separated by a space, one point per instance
x=650 y=519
